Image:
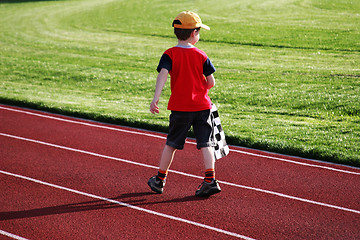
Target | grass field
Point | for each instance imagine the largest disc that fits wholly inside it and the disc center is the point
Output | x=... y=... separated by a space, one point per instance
x=288 y=71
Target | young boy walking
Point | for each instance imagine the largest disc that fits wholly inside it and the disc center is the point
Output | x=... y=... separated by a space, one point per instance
x=191 y=73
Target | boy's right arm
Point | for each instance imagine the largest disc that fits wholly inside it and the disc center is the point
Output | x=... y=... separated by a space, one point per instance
x=160 y=82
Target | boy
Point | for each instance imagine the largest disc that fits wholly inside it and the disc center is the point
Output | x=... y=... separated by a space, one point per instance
x=191 y=73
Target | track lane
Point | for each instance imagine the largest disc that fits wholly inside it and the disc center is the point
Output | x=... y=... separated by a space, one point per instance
x=177 y=172
x=246 y=205
x=237 y=168
x=248 y=211
x=246 y=151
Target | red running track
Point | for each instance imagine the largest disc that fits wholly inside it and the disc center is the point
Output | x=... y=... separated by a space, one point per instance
x=68 y=178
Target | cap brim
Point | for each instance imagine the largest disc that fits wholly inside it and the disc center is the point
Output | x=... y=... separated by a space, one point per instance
x=205 y=27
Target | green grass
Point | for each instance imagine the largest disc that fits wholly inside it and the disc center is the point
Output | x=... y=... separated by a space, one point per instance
x=288 y=75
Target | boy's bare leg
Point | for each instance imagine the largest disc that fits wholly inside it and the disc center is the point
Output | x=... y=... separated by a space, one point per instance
x=156 y=183
x=208 y=156
x=210 y=186
x=166 y=158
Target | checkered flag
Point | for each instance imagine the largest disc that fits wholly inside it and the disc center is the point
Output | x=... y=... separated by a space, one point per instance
x=221 y=149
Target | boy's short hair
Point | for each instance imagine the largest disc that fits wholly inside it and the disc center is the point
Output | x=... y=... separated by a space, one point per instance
x=184 y=34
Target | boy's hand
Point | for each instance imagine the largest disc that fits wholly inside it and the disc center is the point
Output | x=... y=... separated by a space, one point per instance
x=154 y=107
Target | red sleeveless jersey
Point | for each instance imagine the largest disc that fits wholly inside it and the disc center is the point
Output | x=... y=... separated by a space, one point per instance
x=189 y=92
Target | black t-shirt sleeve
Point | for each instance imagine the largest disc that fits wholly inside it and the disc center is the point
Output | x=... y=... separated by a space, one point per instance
x=208 y=67
x=165 y=62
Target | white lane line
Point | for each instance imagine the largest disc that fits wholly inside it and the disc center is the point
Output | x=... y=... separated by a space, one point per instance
x=162 y=137
x=10 y=235
x=298 y=163
x=82 y=123
x=129 y=206
x=184 y=174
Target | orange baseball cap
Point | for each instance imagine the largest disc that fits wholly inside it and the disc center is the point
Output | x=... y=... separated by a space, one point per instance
x=188 y=20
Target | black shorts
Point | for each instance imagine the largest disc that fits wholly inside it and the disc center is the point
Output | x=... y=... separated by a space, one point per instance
x=180 y=123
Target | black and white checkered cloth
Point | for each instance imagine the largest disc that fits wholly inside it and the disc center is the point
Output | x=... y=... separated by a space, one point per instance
x=221 y=149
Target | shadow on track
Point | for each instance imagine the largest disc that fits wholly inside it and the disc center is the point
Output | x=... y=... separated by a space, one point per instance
x=135 y=199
